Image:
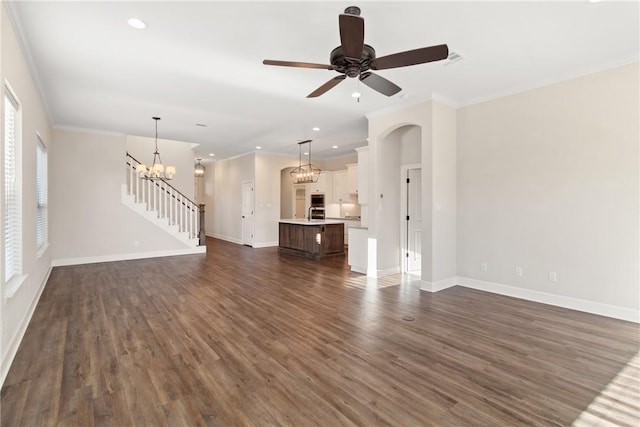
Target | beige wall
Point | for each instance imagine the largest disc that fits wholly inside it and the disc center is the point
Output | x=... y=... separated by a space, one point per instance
x=435 y=124
x=173 y=153
x=225 y=207
x=18 y=304
x=267 y=194
x=336 y=163
x=548 y=181
x=88 y=218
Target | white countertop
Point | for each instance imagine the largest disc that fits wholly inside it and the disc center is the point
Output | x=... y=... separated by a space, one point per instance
x=312 y=222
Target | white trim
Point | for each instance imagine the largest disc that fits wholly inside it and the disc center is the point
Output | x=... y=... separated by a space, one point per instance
x=431 y=97
x=592 y=307
x=593 y=69
x=20 y=35
x=383 y=273
x=87 y=130
x=357 y=269
x=436 y=97
x=14 y=343
x=266 y=244
x=42 y=250
x=127 y=257
x=225 y=238
x=13 y=285
x=438 y=285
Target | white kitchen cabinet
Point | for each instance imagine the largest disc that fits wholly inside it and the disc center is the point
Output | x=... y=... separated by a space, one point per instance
x=340 y=191
x=320 y=187
x=363 y=172
x=348 y=224
x=352 y=178
x=358 y=251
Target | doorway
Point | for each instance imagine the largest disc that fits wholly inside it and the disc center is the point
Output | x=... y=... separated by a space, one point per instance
x=301 y=195
x=412 y=219
x=247 y=213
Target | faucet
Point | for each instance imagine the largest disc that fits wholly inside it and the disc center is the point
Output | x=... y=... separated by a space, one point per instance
x=309 y=212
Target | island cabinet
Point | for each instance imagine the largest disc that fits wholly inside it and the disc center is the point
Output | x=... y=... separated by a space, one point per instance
x=310 y=239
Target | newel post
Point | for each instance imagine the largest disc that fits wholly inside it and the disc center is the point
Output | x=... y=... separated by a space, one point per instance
x=201 y=234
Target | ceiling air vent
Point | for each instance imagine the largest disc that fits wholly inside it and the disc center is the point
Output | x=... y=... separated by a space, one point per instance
x=453 y=57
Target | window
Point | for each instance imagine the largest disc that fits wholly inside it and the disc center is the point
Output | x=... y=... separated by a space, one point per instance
x=41 y=194
x=12 y=203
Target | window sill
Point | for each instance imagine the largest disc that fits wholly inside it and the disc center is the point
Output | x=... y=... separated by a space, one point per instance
x=42 y=250
x=13 y=285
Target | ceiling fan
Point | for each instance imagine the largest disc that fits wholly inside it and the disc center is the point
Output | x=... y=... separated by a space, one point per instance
x=353 y=58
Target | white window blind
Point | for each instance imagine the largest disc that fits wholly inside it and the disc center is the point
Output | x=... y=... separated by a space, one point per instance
x=41 y=194
x=12 y=206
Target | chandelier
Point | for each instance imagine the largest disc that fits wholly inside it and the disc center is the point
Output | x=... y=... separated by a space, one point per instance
x=307 y=173
x=157 y=169
x=198 y=169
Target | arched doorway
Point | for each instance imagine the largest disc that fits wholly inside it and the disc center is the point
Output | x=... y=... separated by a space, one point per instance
x=399 y=211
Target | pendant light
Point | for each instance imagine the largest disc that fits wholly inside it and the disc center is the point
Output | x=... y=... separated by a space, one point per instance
x=198 y=170
x=157 y=171
x=307 y=173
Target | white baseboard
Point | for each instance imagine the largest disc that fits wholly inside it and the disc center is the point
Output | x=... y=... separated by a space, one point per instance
x=266 y=245
x=12 y=349
x=225 y=238
x=438 y=285
x=592 y=307
x=357 y=269
x=383 y=273
x=127 y=257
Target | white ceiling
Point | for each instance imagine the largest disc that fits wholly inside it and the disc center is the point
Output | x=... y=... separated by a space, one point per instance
x=201 y=62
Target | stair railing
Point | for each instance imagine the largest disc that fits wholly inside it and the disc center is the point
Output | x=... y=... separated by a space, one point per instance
x=160 y=196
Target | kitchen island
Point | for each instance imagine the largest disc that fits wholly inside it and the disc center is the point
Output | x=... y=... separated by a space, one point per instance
x=313 y=239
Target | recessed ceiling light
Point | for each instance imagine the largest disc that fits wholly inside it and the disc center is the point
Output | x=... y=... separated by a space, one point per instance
x=316 y=129
x=211 y=154
x=258 y=148
x=335 y=146
x=136 y=23
x=306 y=154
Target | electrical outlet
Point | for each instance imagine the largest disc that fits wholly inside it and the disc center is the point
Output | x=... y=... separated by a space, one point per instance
x=484 y=266
x=553 y=276
x=519 y=271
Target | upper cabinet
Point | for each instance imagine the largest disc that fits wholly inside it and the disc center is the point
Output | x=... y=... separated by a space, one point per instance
x=352 y=178
x=363 y=172
x=322 y=186
x=340 y=187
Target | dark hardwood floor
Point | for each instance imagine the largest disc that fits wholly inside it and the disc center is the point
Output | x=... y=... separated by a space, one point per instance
x=252 y=337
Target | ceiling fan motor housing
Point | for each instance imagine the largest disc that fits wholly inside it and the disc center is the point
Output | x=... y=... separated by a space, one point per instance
x=343 y=65
x=352 y=10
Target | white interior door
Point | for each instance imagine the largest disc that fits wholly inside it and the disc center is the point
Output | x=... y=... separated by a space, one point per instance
x=414 y=220
x=247 y=212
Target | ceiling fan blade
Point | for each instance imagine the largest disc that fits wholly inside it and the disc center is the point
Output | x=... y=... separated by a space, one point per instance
x=411 y=57
x=352 y=36
x=380 y=84
x=325 y=87
x=297 y=64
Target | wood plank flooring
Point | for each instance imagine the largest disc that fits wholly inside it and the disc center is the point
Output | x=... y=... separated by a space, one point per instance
x=250 y=337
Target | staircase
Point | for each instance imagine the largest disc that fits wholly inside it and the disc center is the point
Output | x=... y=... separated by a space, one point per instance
x=163 y=205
